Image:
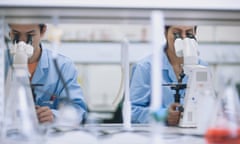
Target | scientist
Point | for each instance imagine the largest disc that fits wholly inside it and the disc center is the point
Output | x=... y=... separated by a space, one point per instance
x=140 y=85
x=48 y=86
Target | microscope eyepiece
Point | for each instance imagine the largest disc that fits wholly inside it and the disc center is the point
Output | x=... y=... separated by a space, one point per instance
x=190 y=35
x=177 y=35
x=29 y=39
x=16 y=38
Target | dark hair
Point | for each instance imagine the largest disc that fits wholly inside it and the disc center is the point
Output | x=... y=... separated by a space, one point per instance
x=41 y=27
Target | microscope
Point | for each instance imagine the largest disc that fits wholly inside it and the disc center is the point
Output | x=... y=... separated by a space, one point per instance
x=21 y=51
x=199 y=80
x=20 y=121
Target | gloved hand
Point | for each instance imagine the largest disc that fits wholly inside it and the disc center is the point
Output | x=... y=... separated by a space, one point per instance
x=173 y=114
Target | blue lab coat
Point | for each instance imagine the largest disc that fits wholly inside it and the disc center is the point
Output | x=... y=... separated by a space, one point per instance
x=140 y=87
x=50 y=88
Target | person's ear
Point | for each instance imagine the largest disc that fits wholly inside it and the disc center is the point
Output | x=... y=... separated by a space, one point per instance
x=43 y=30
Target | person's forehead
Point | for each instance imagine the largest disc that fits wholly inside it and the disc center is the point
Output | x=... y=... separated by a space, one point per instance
x=182 y=27
x=24 y=27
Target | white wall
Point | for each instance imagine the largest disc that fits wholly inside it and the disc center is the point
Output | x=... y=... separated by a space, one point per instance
x=99 y=66
x=98 y=62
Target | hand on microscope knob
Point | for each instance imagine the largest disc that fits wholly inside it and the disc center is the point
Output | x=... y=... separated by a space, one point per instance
x=173 y=114
x=44 y=114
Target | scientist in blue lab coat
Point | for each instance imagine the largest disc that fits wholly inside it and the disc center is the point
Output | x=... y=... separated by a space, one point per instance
x=44 y=75
x=140 y=85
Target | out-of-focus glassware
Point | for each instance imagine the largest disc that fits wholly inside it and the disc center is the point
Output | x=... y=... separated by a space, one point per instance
x=225 y=125
x=69 y=116
x=206 y=106
x=20 y=122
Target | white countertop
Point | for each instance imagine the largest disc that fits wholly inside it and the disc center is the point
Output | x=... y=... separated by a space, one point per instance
x=115 y=134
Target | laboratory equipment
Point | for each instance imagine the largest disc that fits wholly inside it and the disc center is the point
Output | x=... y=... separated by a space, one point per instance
x=157 y=21
x=2 y=75
x=126 y=112
x=158 y=115
x=225 y=122
x=20 y=121
x=199 y=80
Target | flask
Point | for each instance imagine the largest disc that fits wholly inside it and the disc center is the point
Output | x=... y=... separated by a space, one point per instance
x=20 y=122
x=225 y=123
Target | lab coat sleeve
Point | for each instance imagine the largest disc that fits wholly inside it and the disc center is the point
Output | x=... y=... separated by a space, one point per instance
x=140 y=92
x=70 y=74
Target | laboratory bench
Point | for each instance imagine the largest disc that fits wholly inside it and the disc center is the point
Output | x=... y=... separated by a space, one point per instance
x=117 y=134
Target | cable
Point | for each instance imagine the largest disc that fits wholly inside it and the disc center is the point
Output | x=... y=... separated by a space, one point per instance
x=120 y=90
x=67 y=98
x=8 y=52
